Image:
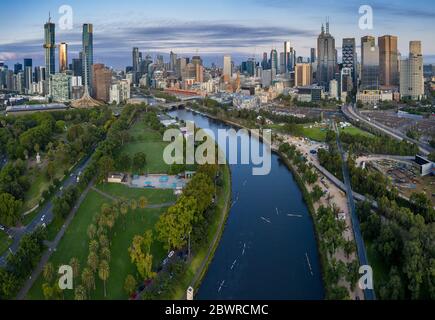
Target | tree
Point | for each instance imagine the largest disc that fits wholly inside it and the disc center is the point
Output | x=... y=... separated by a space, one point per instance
x=75 y=265
x=93 y=246
x=9 y=210
x=139 y=161
x=48 y=272
x=106 y=165
x=133 y=204
x=50 y=171
x=143 y=202
x=8 y=284
x=103 y=241
x=88 y=279
x=124 y=209
x=140 y=254
x=105 y=254
x=92 y=230
x=93 y=261
x=124 y=162
x=130 y=284
x=80 y=293
x=103 y=273
x=317 y=193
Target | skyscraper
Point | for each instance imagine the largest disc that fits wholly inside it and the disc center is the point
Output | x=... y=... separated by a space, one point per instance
x=88 y=55
x=28 y=74
x=313 y=55
x=102 y=79
x=50 y=48
x=411 y=73
x=227 y=72
x=274 y=60
x=369 y=64
x=287 y=48
x=172 y=61
x=350 y=57
x=77 y=66
x=326 y=57
x=63 y=57
x=303 y=75
x=136 y=65
x=388 y=61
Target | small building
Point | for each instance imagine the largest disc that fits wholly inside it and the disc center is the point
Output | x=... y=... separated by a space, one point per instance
x=116 y=178
x=427 y=167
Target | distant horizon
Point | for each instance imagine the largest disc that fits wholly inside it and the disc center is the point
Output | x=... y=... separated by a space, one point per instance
x=244 y=28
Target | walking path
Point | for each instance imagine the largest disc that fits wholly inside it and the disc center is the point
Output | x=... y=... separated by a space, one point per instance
x=52 y=247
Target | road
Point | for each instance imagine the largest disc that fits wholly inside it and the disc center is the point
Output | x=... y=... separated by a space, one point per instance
x=351 y=113
x=45 y=214
x=369 y=294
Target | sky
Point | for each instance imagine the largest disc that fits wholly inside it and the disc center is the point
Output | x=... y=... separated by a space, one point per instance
x=242 y=28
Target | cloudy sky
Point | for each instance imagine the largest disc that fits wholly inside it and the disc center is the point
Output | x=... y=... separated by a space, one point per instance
x=210 y=28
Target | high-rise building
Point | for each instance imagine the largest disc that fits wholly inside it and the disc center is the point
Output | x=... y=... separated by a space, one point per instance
x=274 y=60
x=77 y=66
x=326 y=57
x=227 y=71
x=102 y=80
x=18 y=67
x=88 y=55
x=388 y=61
x=265 y=62
x=349 y=57
x=28 y=74
x=286 y=56
x=303 y=75
x=172 y=61
x=411 y=73
x=63 y=57
x=369 y=64
x=50 y=48
x=60 y=87
x=136 y=65
x=313 y=55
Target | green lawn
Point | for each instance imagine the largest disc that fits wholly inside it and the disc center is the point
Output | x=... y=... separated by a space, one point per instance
x=75 y=242
x=151 y=143
x=314 y=133
x=356 y=131
x=5 y=242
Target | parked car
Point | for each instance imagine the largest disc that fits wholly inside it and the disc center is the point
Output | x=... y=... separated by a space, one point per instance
x=171 y=254
x=2 y=228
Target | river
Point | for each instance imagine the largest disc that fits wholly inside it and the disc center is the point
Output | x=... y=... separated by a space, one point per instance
x=264 y=253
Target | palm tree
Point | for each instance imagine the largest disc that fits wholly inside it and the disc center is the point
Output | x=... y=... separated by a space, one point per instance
x=48 y=272
x=130 y=284
x=143 y=202
x=93 y=261
x=75 y=265
x=133 y=204
x=105 y=253
x=93 y=246
x=88 y=279
x=103 y=273
x=104 y=241
x=92 y=230
x=80 y=293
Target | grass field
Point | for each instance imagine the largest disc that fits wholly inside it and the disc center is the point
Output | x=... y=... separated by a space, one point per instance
x=75 y=242
x=356 y=131
x=314 y=133
x=151 y=143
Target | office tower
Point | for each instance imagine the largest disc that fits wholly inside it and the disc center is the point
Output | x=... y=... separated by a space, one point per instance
x=282 y=66
x=77 y=67
x=136 y=65
x=303 y=75
x=50 y=48
x=63 y=57
x=227 y=71
x=264 y=62
x=88 y=56
x=370 y=64
x=287 y=49
x=18 y=67
x=250 y=66
x=60 y=87
x=411 y=73
x=39 y=74
x=274 y=60
x=181 y=67
x=388 y=61
x=326 y=57
x=313 y=55
x=350 y=59
x=102 y=80
x=28 y=74
x=172 y=61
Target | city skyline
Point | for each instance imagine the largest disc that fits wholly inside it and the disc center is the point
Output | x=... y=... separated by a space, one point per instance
x=118 y=28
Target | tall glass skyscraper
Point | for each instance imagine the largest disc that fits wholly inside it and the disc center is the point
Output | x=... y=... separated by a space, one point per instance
x=350 y=57
x=326 y=57
x=50 y=48
x=88 y=55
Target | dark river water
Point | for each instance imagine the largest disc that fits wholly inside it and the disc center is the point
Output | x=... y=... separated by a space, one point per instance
x=263 y=251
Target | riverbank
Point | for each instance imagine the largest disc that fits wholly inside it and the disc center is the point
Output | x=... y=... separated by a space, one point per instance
x=305 y=193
